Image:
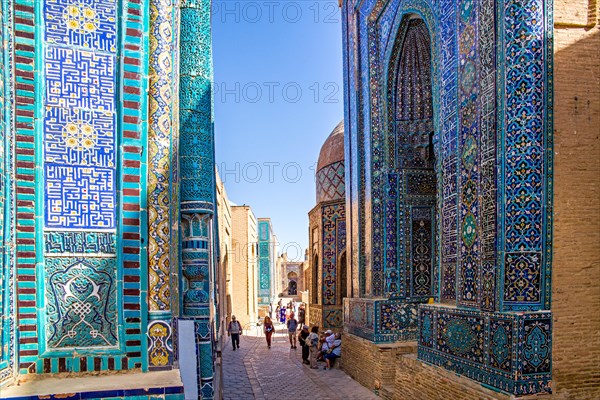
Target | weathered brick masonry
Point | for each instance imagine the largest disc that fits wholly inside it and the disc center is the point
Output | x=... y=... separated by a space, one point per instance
x=576 y=267
x=393 y=372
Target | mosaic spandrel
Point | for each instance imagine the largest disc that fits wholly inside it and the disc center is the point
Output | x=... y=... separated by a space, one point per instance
x=81 y=303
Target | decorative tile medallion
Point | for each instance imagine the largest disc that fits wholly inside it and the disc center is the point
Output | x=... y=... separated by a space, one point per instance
x=85 y=23
x=81 y=302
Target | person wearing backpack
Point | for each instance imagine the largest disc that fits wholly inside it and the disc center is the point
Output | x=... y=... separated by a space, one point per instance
x=313 y=340
x=234 y=330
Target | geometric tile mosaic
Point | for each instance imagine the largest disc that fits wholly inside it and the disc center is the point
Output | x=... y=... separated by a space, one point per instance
x=80 y=79
x=71 y=297
x=334 y=236
x=86 y=23
x=79 y=137
x=486 y=164
x=330 y=182
x=265 y=262
x=510 y=351
x=80 y=197
x=79 y=119
x=79 y=153
x=381 y=320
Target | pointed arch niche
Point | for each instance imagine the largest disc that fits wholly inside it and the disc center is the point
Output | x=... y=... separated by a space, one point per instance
x=410 y=164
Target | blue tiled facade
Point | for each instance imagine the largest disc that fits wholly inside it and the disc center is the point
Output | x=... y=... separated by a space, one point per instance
x=449 y=182
x=266 y=263
x=89 y=269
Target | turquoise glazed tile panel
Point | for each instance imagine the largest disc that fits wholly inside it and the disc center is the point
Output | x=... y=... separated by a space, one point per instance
x=81 y=302
x=381 y=320
x=512 y=352
x=486 y=105
x=265 y=266
x=334 y=242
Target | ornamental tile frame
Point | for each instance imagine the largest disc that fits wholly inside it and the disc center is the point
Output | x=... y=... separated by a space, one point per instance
x=90 y=149
x=509 y=351
x=7 y=213
x=163 y=184
x=89 y=230
x=491 y=138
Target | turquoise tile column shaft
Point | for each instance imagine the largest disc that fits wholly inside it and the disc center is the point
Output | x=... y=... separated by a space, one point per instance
x=196 y=157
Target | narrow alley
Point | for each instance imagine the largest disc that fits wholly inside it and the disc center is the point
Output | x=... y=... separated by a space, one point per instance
x=256 y=372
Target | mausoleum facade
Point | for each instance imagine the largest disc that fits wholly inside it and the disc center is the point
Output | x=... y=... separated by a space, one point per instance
x=449 y=183
x=327 y=236
x=108 y=192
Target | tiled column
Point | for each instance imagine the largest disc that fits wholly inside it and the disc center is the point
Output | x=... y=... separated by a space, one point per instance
x=197 y=184
x=162 y=189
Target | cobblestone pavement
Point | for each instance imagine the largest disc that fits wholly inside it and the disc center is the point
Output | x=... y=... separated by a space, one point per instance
x=256 y=372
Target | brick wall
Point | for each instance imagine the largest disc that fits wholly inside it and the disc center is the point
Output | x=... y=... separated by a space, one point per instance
x=576 y=265
x=393 y=372
x=243 y=265
x=416 y=380
x=372 y=365
x=224 y=266
x=575 y=12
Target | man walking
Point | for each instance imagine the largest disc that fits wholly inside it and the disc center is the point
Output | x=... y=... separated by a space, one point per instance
x=234 y=330
x=292 y=325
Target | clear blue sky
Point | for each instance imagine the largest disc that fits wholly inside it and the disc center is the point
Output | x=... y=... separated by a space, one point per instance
x=278 y=95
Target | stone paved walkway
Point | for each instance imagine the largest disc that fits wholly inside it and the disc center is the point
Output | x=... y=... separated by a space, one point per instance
x=256 y=372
